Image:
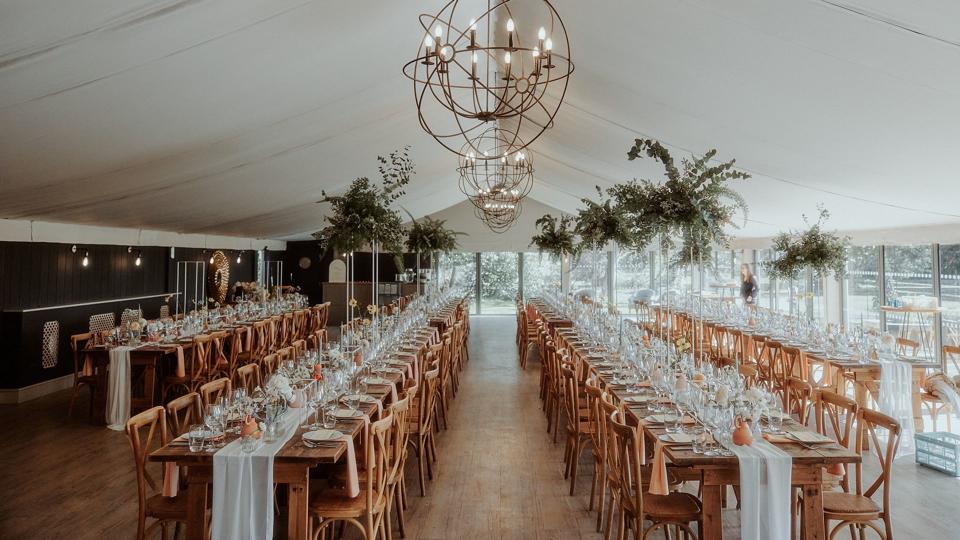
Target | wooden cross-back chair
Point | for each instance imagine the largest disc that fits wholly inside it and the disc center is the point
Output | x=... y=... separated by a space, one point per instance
x=676 y=509
x=396 y=457
x=196 y=373
x=799 y=399
x=835 y=416
x=579 y=426
x=214 y=390
x=147 y=431
x=184 y=411
x=366 y=511
x=78 y=342
x=858 y=509
x=248 y=377
x=219 y=364
x=268 y=364
x=421 y=424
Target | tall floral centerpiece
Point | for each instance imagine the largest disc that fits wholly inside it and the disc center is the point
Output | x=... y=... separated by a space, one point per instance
x=556 y=237
x=695 y=204
x=430 y=236
x=813 y=248
x=599 y=225
x=364 y=217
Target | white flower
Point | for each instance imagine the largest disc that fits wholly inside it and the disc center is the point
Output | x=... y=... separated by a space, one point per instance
x=754 y=395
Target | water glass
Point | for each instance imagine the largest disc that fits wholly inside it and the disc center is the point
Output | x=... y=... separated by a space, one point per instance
x=700 y=437
x=248 y=443
x=674 y=422
x=328 y=418
x=196 y=437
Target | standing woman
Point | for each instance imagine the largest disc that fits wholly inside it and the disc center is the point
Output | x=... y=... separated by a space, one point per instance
x=748 y=285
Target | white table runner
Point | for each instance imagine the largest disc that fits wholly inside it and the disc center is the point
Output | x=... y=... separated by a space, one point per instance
x=765 y=473
x=896 y=399
x=118 y=388
x=243 y=485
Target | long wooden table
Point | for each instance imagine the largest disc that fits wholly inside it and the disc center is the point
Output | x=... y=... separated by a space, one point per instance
x=292 y=465
x=720 y=471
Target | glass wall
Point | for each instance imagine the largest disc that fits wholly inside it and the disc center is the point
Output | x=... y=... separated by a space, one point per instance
x=588 y=274
x=635 y=278
x=861 y=301
x=950 y=302
x=908 y=277
x=499 y=282
x=459 y=269
x=541 y=272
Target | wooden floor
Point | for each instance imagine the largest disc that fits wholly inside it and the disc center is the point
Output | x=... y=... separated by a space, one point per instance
x=500 y=475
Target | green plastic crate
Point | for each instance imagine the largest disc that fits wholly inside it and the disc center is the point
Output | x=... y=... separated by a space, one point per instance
x=939 y=450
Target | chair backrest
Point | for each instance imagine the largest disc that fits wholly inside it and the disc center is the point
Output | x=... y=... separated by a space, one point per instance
x=214 y=390
x=248 y=377
x=184 y=411
x=324 y=314
x=299 y=348
x=200 y=355
x=593 y=393
x=749 y=372
x=78 y=342
x=836 y=416
x=793 y=363
x=261 y=339
x=628 y=462
x=799 y=398
x=268 y=365
x=907 y=347
x=377 y=449
x=872 y=424
x=428 y=398
x=219 y=349
x=952 y=353
x=399 y=410
x=146 y=431
x=571 y=399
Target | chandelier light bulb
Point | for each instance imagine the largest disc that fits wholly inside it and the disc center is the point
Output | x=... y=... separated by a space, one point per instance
x=428 y=42
x=438 y=31
x=506 y=57
x=475 y=58
x=137 y=261
x=542 y=33
x=548 y=45
x=473 y=25
x=86 y=259
x=509 y=25
x=535 y=52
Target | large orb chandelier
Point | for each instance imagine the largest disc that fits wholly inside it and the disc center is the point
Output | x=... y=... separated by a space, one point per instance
x=492 y=66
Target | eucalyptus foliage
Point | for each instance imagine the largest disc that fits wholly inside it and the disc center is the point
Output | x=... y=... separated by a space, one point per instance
x=430 y=236
x=363 y=215
x=556 y=236
x=822 y=251
x=598 y=224
x=694 y=204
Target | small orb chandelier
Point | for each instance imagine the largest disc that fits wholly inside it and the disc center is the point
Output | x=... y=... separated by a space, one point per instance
x=495 y=176
x=498 y=208
x=490 y=67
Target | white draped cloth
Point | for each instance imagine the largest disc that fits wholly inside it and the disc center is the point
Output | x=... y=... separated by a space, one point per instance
x=118 y=388
x=243 y=485
x=896 y=399
x=765 y=473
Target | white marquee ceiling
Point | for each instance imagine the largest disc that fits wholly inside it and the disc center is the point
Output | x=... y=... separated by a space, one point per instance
x=230 y=116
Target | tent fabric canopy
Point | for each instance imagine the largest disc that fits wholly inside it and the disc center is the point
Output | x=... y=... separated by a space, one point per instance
x=229 y=117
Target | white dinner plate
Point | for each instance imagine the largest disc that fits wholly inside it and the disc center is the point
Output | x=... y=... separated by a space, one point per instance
x=321 y=435
x=348 y=413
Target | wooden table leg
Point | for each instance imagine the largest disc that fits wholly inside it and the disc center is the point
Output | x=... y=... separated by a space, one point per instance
x=197 y=502
x=297 y=499
x=918 y=374
x=712 y=512
x=813 y=525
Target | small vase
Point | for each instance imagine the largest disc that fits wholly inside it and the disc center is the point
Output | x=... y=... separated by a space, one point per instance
x=272 y=432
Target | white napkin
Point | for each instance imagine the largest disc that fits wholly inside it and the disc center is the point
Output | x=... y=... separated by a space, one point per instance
x=118 y=388
x=765 y=473
x=896 y=399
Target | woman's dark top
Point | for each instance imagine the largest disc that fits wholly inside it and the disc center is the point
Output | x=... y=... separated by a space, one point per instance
x=749 y=290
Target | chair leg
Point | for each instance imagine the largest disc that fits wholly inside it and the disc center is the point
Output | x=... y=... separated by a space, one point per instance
x=593 y=486
x=399 y=507
x=420 y=459
x=574 y=459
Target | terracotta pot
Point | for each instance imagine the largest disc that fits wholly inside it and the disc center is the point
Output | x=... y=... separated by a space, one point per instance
x=742 y=435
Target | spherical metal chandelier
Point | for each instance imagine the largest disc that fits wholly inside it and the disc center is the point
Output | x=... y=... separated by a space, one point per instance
x=498 y=208
x=495 y=176
x=496 y=66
